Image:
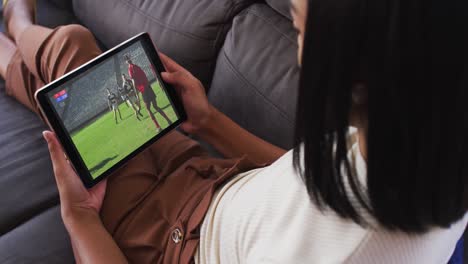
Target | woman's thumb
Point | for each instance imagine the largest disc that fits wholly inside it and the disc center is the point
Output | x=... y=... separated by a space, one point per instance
x=59 y=160
x=51 y=141
x=178 y=79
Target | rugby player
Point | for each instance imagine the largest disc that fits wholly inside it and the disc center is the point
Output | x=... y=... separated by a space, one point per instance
x=141 y=83
x=130 y=96
x=113 y=103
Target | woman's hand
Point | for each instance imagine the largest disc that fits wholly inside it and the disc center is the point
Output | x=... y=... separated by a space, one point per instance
x=192 y=93
x=91 y=242
x=76 y=201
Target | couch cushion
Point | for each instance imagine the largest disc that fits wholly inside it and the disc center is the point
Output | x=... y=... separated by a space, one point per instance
x=27 y=185
x=31 y=229
x=65 y=5
x=255 y=82
x=55 y=13
x=281 y=6
x=190 y=31
x=50 y=13
x=43 y=239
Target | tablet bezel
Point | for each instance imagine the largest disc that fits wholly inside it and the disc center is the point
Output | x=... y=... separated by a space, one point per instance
x=58 y=127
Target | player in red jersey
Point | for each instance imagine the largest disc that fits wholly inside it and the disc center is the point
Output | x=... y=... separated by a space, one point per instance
x=141 y=83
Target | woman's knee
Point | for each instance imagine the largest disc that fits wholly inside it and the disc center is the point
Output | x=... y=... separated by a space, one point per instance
x=75 y=34
x=71 y=46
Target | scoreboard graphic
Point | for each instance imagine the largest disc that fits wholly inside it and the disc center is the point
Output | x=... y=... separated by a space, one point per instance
x=61 y=96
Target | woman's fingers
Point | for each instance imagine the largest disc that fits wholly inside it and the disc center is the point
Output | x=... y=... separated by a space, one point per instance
x=62 y=169
x=56 y=154
x=170 y=64
x=178 y=79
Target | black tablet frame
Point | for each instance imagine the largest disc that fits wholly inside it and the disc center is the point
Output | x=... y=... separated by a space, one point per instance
x=58 y=127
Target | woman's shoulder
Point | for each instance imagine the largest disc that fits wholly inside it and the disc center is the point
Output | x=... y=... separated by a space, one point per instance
x=274 y=205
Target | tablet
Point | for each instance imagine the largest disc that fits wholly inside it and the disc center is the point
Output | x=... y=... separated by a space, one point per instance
x=110 y=109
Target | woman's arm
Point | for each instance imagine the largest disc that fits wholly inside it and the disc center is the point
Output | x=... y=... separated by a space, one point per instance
x=211 y=125
x=233 y=141
x=91 y=242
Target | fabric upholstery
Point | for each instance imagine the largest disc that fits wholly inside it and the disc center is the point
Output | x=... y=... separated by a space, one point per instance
x=27 y=186
x=56 y=12
x=62 y=5
x=255 y=82
x=190 y=31
x=281 y=6
x=43 y=239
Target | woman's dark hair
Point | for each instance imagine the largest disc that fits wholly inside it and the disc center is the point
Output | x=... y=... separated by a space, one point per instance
x=412 y=56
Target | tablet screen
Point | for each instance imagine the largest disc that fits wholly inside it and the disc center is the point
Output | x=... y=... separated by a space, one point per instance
x=113 y=108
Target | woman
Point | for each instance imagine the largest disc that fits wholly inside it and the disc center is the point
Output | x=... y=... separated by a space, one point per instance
x=396 y=195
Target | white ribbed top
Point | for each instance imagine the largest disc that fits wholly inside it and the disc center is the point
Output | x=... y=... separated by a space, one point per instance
x=266 y=216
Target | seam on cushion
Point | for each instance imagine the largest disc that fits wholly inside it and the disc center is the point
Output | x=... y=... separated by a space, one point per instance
x=279 y=11
x=269 y=104
x=232 y=14
x=239 y=75
x=48 y=205
x=244 y=12
x=254 y=13
x=165 y=25
x=226 y=25
x=218 y=44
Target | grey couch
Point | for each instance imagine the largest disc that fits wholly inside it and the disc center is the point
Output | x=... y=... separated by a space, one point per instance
x=244 y=51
